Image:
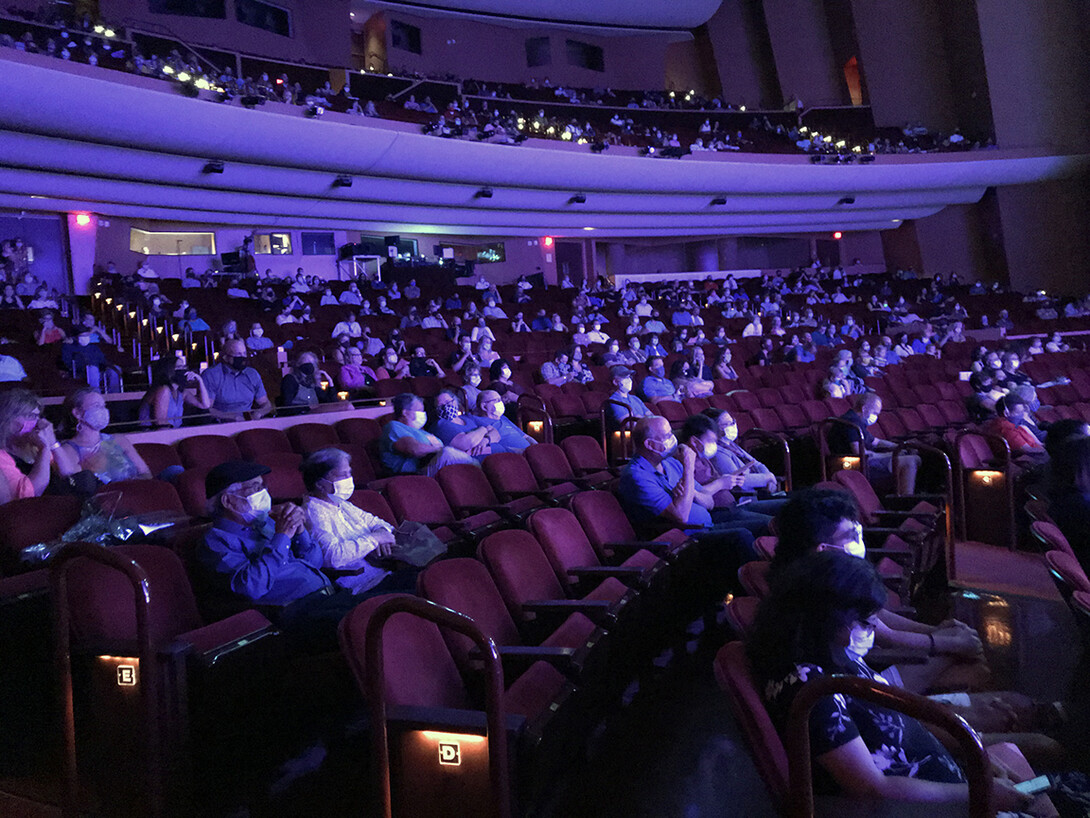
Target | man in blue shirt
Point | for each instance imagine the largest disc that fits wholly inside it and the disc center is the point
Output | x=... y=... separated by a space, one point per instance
x=491 y=413
x=654 y=325
x=657 y=386
x=659 y=491
x=265 y=557
x=541 y=322
x=622 y=382
x=236 y=387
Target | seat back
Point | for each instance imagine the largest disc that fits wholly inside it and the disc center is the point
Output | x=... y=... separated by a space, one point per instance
x=520 y=570
x=509 y=474
x=857 y=484
x=253 y=443
x=418 y=668
x=373 y=503
x=206 y=451
x=563 y=540
x=1049 y=535
x=464 y=484
x=735 y=678
x=1067 y=570
x=548 y=463
x=358 y=430
x=754 y=577
x=741 y=613
x=101 y=602
x=126 y=497
x=158 y=456
x=584 y=453
x=190 y=487
x=464 y=585
x=602 y=518
x=419 y=498
x=33 y=520
x=310 y=437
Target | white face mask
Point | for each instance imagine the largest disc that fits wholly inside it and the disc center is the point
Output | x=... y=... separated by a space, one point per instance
x=258 y=504
x=97 y=418
x=343 y=488
x=710 y=449
x=418 y=419
x=855 y=546
x=498 y=409
x=871 y=419
x=257 y=333
x=861 y=640
x=731 y=432
x=664 y=447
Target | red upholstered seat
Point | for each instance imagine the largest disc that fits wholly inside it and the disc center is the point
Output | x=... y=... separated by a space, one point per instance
x=33 y=520
x=735 y=678
x=754 y=577
x=127 y=497
x=310 y=437
x=206 y=451
x=358 y=430
x=253 y=443
x=158 y=456
x=511 y=478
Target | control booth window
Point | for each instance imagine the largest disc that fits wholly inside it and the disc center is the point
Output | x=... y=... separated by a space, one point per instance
x=260 y=14
x=585 y=55
x=538 y=52
x=213 y=9
x=405 y=37
x=318 y=244
x=156 y=243
x=272 y=244
x=477 y=253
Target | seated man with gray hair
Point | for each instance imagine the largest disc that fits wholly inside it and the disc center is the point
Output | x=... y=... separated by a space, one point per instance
x=505 y=436
x=265 y=556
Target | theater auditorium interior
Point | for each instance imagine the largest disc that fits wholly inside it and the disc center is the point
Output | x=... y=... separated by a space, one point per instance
x=469 y=408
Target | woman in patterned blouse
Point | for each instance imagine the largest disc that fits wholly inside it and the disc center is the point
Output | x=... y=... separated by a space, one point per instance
x=820 y=619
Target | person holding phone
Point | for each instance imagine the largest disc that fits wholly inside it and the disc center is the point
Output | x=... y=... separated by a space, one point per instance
x=173 y=387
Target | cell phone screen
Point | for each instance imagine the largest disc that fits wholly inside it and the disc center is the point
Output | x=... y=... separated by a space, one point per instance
x=1034 y=785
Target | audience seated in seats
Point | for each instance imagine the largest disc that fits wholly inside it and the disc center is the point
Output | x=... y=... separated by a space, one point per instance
x=350 y=326
x=353 y=375
x=558 y=371
x=83 y=357
x=405 y=448
x=264 y=556
x=28 y=446
x=730 y=458
x=656 y=386
x=879 y=452
x=10 y=300
x=462 y=355
x=465 y=432
x=256 y=340
x=658 y=489
x=713 y=490
x=1069 y=496
x=471 y=384
x=236 y=388
x=109 y=458
x=499 y=373
x=492 y=413
x=422 y=366
x=723 y=368
x=306 y=384
x=821 y=618
x=393 y=365
x=355 y=543
x=1009 y=424
x=622 y=394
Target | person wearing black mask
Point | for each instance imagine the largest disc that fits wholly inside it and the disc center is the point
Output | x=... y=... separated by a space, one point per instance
x=235 y=387
x=172 y=387
x=306 y=384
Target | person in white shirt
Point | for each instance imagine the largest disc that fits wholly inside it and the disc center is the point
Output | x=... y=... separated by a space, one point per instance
x=351 y=295
x=481 y=283
x=257 y=340
x=596 y=336
x=492 y=311
x=753 y=328
x=353 y=541
x=328 y=299
x=349 y=326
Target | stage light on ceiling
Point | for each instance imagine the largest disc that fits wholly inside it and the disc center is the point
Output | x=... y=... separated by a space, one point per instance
x=83 y=219
x=838 y=235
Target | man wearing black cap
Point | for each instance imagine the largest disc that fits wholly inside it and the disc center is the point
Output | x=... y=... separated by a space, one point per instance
x=266 y=556
x=622 y=382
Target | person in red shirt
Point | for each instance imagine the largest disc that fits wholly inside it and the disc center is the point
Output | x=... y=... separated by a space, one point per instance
x=1010 y=413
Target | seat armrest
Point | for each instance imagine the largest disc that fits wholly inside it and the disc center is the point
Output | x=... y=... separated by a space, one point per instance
x=887 y=531
x=404 y=717
x=605 y=571
x=600 y=611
